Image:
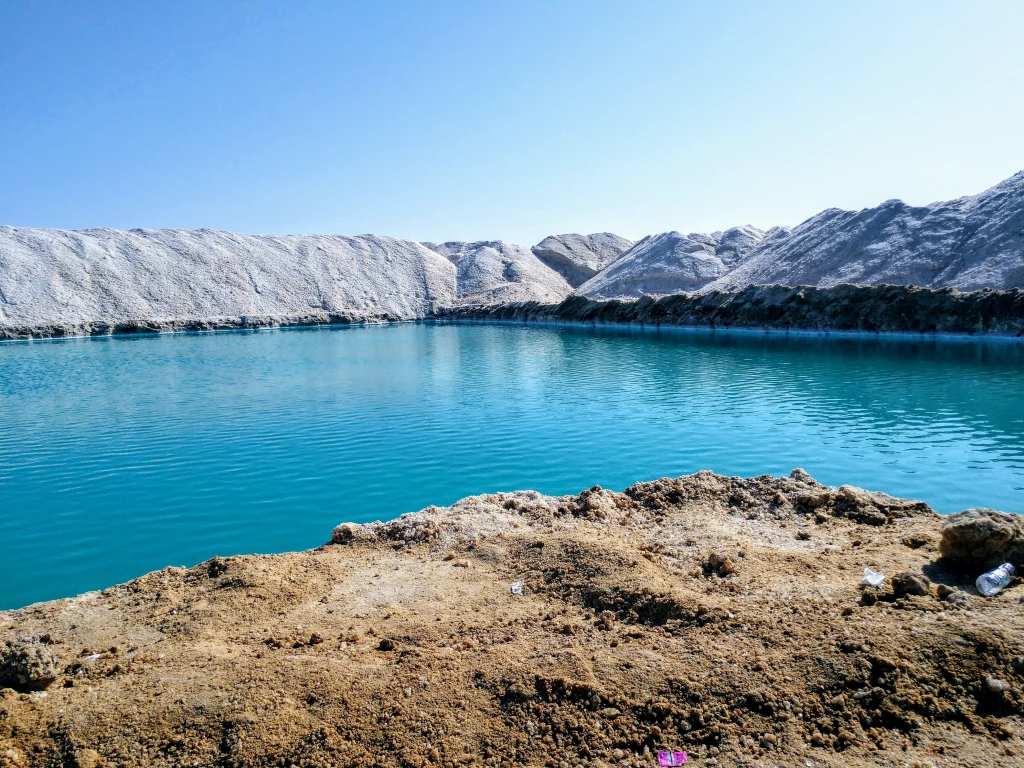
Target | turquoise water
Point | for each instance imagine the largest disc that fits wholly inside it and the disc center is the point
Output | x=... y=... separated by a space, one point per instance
x=120 y=456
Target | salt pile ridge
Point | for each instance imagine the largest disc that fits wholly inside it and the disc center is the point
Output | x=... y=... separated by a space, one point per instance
x=60 y=282
x=970 y=243
x=496 y=272
x=73 y=277
x=672 y=262
x=578 y=258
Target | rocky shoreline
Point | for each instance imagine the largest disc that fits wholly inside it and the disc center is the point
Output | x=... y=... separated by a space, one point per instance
x=143 y=327
x=844 y=308
x=717 y=615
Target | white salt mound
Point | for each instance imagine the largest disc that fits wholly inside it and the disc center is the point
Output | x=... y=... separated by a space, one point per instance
x=970 y=243
x=659 y=264
x=673 y=263
x=69 y=277
x=75 y=278
x=496 y=272
x=734 y=245
x=578 y=258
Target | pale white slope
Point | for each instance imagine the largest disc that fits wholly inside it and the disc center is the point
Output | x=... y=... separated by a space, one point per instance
x=970 y=243
x=672 y=263
x=496 y=272
x=578 y=258
x=70 y=277
x=737 y=243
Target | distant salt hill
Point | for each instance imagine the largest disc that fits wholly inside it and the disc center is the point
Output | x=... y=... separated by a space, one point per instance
x=673 y=263
x=579 y=257
x=970 y=243
x=84 y=281
x=496 y=272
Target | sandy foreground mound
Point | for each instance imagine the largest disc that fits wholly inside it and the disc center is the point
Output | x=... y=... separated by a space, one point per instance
x=714 y=615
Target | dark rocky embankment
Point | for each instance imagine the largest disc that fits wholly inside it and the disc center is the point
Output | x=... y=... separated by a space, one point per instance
x=844 y=308
x=136 y=327
x=859 y=308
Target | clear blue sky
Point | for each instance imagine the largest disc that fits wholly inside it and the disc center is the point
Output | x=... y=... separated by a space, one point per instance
x=486 y=120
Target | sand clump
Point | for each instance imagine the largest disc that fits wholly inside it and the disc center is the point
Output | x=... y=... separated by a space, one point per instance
x=716 y=615
x=983 y=538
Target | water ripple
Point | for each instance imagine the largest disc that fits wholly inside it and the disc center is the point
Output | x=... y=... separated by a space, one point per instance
x=118 y=456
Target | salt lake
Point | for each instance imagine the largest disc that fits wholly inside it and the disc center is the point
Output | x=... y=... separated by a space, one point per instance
x=123 y=455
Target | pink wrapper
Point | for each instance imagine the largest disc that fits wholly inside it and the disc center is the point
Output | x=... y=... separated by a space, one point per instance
x=671 y=758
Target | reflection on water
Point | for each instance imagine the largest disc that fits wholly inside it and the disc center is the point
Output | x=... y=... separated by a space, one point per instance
x=124 y=455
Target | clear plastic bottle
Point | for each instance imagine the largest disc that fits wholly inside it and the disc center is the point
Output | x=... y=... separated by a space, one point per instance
x=995 y=581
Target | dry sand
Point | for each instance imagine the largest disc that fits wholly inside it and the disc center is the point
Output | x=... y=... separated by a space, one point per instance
x=714 y=615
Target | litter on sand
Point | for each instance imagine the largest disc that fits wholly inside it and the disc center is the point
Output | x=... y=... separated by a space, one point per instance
x=671 y=758
x=874 y=578
x=517 y=588
x=996 y=580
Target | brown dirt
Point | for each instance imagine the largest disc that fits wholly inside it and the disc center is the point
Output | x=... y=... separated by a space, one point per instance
x=714 y=615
